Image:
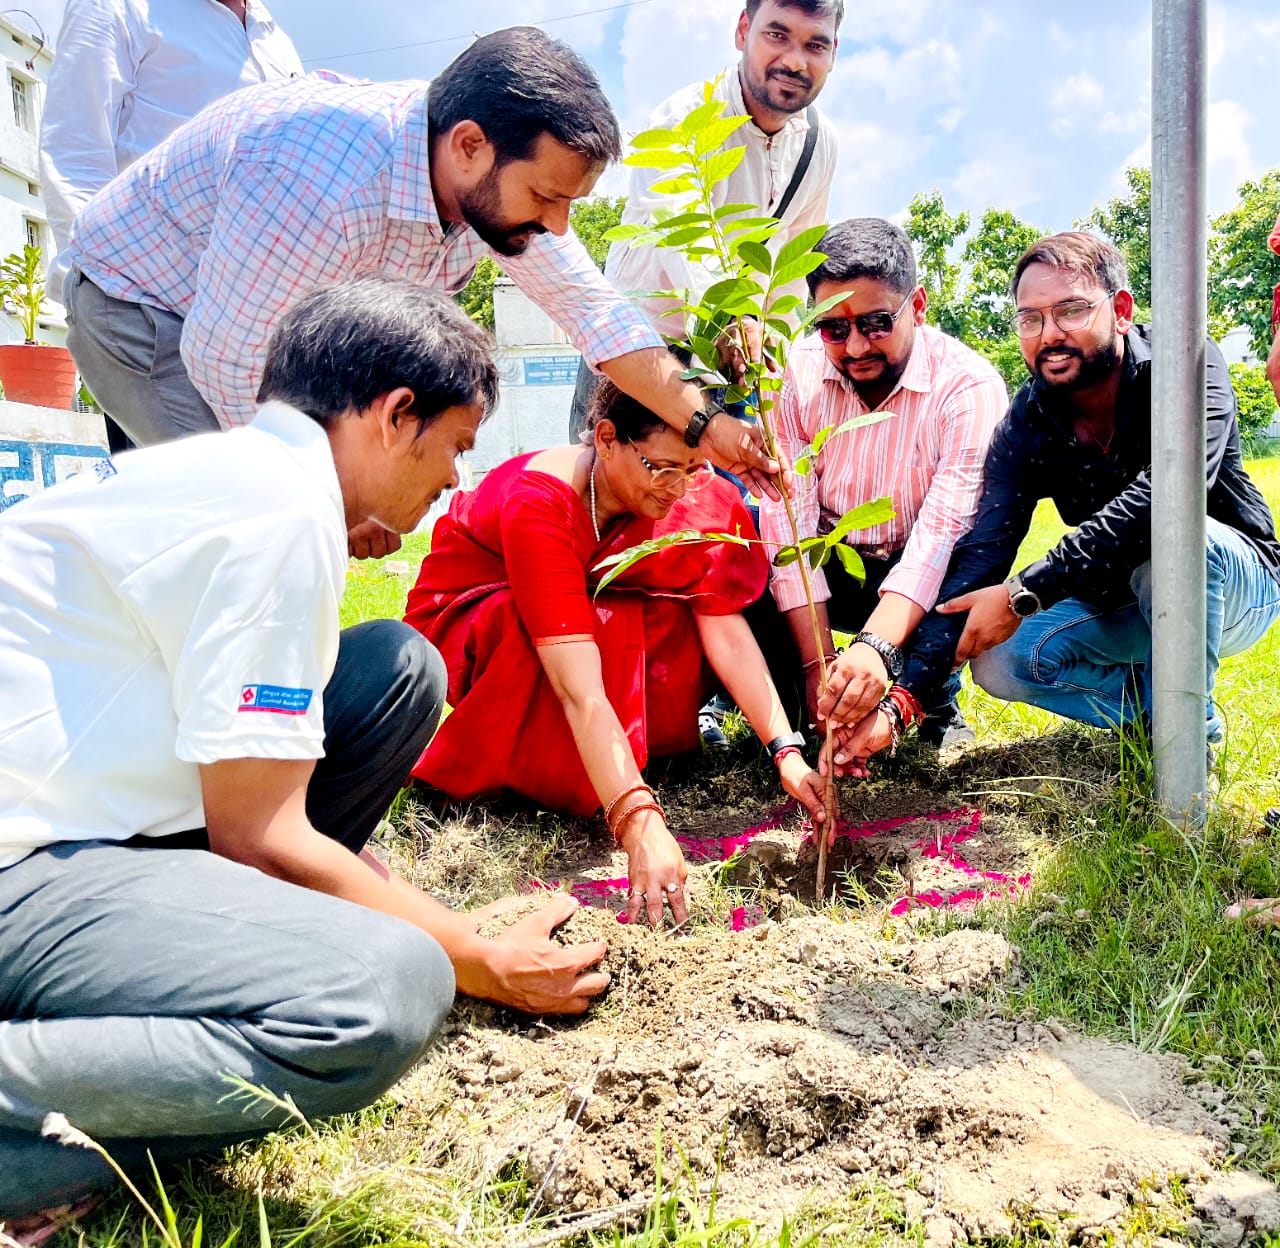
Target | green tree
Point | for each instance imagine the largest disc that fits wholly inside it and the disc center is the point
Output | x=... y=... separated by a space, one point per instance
x=1243 y=271
x=1006 y=355
x=990 y=258
x=934 y=231
x=476 y=297
x=1256 y=401
x=1126 y=222
x=590 y=219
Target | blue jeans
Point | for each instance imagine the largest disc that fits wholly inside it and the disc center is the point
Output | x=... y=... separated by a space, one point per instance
x=1093 y=663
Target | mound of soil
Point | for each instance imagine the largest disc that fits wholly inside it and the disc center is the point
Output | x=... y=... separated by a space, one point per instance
x=807 y=1053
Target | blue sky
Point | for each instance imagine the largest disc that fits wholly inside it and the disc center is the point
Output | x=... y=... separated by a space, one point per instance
x=1006 y=103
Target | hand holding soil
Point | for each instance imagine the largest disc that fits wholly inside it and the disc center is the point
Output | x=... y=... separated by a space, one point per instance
x=522 y=967
x=656 y=870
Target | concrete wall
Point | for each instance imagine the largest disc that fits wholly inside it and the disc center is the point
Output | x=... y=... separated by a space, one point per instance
x=538 y=368
x=40 y=447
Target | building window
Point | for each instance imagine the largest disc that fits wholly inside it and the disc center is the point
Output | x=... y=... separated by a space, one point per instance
x=34 y=233
x=21 y=103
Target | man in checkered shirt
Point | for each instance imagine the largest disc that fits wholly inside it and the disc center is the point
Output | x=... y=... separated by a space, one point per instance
x=183 y=264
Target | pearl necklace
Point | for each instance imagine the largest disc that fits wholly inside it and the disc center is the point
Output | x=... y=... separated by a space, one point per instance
x=595 y=524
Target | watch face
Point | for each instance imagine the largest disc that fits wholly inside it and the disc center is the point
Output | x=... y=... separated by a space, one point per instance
x=1024 y=603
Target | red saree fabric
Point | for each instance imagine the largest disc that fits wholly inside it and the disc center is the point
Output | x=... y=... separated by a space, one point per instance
x=510 y=569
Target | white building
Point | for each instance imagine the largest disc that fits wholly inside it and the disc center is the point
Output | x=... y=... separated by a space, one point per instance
x=27 y=59
x=538 y=366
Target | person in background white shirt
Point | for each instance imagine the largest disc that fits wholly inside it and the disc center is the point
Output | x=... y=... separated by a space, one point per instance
x=128 y=73
x=788 y=48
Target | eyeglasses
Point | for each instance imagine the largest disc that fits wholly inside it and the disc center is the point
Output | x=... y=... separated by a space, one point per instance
x=1069 y=315
x=871 y=325
x=685 y=480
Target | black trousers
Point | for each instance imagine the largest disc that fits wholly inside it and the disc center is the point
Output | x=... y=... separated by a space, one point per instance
x=848 y=609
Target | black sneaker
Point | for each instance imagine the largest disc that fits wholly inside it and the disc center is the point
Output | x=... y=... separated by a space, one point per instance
x=1271 y=820
x=710 y=719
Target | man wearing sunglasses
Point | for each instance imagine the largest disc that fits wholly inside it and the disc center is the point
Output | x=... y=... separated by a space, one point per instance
x=1071 y=632
x=931 y=405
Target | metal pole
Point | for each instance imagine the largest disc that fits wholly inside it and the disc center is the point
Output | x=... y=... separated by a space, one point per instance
x=1179 y=324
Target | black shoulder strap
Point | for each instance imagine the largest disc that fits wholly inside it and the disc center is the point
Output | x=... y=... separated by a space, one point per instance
x=802 y=165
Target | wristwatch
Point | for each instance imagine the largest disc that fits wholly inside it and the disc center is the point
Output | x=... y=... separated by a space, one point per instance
x=699 y=421
x=788 y=741
x=887 y=651
x=1022 y=601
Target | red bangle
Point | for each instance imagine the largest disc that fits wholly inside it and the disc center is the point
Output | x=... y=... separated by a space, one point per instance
x=626 y=815
x=782 y=753
x=907 y=703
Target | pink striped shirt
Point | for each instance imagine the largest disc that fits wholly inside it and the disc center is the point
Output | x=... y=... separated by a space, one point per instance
x=928 y=458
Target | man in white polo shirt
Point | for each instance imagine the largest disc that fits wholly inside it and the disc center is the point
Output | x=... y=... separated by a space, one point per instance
x=173 y=681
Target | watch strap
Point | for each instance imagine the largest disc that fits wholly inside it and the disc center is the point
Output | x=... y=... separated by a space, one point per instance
x=891 y=655
x=788 y=741
x=697 y=425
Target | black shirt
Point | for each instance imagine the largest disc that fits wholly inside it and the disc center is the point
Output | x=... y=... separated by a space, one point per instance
x=1035 y=454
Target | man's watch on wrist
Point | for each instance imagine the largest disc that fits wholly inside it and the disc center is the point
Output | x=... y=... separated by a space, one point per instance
x=890 y=654
x=1022 y=601
x=699 y=421
x=788 y=741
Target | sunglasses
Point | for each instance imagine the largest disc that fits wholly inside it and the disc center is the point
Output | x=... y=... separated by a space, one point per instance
x=871 y=325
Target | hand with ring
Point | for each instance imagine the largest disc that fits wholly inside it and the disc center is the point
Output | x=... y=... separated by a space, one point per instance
x=655 y=868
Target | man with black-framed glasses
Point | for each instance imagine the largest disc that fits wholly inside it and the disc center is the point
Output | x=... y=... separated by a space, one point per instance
x=939 y=402
x=1071 y=632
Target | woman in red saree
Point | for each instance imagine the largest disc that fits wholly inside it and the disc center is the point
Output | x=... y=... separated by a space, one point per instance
x=563 y=696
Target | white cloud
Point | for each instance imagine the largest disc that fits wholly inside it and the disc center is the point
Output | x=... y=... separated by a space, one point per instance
x=1075 y=100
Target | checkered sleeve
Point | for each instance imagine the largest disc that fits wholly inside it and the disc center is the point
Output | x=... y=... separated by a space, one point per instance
x=275 y=236
x=561 y=278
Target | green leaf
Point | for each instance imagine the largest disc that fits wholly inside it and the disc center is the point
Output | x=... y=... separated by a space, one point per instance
x=818 y=555
x=688 y=129
x=803 y=463
x=751 y=223
x=681 y=218
x=802 y=244
x=657 y=158
x=681 y=238
x=655 y=138
x=851 y=561
x=785 y=305
x=820 y=308
x=755 y=254
x=719 y=165
x=623 y=233
x=854 y=422
x=719 y=294
x=792 y=270
x=264 y=1229
x=621 y=562
x=786 y=555
x=673 y=186
x=730 y=210
x=714 y=133
x=866 y=516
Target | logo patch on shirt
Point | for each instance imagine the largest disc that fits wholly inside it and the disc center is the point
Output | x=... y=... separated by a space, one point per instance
x=274 y=699
x=103 y=469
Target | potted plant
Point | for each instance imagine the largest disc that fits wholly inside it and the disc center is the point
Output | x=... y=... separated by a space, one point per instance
x=32 y=372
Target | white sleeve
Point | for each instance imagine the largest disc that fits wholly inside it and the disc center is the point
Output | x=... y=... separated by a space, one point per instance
x=92 y=75
x=245 y=616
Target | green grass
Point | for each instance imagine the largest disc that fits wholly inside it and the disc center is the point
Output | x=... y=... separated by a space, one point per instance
x=1121 y=937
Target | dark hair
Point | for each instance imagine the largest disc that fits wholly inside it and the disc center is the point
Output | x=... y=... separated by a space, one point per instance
x=1084 y=255
x=631 y=418
x=518 y=84
x=343 y=345
x=868 y=247
x=816 y=8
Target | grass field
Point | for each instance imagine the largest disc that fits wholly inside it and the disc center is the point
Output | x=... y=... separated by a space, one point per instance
x=1121 y=937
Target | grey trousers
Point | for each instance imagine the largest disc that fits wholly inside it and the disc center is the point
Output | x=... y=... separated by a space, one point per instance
x=134 y=976
x=128 y=356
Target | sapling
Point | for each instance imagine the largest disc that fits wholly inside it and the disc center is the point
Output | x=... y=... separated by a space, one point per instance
x=732 y=240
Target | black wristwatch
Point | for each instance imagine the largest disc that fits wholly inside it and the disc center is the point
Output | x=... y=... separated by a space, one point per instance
x=890 y=653
x=1022 y=601
x=698 y=423
x=788 y=740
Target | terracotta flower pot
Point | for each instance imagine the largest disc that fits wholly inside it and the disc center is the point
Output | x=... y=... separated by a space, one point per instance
x=42 y=375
